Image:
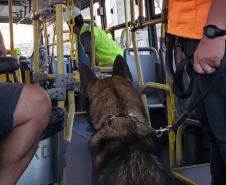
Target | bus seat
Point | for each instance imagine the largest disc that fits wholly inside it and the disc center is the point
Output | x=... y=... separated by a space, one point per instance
x=67 y=65
x=150 y=67
x=8 y=65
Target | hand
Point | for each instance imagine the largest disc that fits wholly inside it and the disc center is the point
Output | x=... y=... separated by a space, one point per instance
x=95 y=69
x=208 y=55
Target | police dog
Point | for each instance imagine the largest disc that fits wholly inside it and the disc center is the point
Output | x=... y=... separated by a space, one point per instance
x=121 y=147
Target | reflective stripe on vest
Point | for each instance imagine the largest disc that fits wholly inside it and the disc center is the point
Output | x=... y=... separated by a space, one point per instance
x=188 y=17
x=106 y=49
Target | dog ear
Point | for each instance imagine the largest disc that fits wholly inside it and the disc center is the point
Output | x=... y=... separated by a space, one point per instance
x=121 y=68
x=87 y=77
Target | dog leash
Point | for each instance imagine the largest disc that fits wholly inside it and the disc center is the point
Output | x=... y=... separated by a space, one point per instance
x=183 y=116
x=178 y=88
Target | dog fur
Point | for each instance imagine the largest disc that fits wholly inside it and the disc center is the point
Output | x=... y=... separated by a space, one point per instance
x=122 y=149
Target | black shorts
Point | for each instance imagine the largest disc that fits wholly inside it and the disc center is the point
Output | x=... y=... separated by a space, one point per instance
x=9 y=96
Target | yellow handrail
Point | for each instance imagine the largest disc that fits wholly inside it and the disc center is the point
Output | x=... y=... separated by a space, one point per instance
x=60 y=49
x=46 y=39
x=35 y=6
x=140 y=6
x=137 y=60
x=93 y=54
x=126 y=23
x=18 y=72
x=11 y=27
x=53 y=42
x=72 y=36
x=59 y=34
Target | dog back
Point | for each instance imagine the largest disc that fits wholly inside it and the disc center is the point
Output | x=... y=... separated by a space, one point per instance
x=122 y=148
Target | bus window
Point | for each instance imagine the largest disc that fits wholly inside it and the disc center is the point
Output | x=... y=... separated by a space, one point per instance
x=158 y=6
x=115 y=12
x=118 y=34
x=158 y=32
x=158 y=10
x=115 y=16
x=67 y=45
x=23 y=37
x=142 y=38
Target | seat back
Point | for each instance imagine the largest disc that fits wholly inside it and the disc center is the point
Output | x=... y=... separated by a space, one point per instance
x=8 y=65
x=67 y=65
x=150 y=66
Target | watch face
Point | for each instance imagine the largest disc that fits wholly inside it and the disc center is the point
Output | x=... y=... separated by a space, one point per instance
x=210 y=32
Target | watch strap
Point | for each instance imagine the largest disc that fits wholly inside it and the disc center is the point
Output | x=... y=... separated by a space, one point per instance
x=218 y=32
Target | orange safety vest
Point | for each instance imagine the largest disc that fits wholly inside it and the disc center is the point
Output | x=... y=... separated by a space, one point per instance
x=187 y=18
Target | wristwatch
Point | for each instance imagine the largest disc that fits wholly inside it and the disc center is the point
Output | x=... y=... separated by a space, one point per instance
x=212 y=31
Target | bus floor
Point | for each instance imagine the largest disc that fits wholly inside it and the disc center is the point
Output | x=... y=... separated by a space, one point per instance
x=199 y=173
x=79 y=167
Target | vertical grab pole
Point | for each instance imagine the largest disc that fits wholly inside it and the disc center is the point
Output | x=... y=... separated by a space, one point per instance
x=174 y=151
x=137 y=60
x=12 y=52
x=35 y=7
x=46 y=40
x=92 y=34
x=60 y=49
x=59 y=34
x=11 y=28
x=141 y=18
x=140 y=3
x=71 y=97
x=126 y=23
x=71 y=114
x=53 y=42
x=60 y=57
x=171 y=120
x=72 y=36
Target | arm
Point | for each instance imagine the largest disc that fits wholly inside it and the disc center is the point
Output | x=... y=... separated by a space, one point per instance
x=209 y=52
x=89 y=54
x=90 y=58
x=2 y=46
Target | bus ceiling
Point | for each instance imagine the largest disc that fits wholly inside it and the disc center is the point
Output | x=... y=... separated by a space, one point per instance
x=22 y=9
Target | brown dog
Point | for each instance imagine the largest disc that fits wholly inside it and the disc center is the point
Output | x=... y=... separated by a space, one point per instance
x=122 y=148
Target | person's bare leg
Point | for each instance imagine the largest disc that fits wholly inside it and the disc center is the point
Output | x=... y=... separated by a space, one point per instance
x=30 y=119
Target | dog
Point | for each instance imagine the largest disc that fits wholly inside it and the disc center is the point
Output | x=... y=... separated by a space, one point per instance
x=122 y=148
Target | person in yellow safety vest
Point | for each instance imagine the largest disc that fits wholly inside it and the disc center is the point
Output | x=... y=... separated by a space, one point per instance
x=18 y=52
x=22 y=59
x=106 y=49
x=18 y=55
x=199 y=26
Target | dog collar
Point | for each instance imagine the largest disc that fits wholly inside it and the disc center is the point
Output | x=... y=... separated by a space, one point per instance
x=111 y=117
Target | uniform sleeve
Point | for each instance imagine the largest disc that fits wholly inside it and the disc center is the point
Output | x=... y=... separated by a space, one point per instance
x=85 y=39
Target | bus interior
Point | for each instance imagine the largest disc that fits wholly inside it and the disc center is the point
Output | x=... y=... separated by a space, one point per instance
x=138 y=27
